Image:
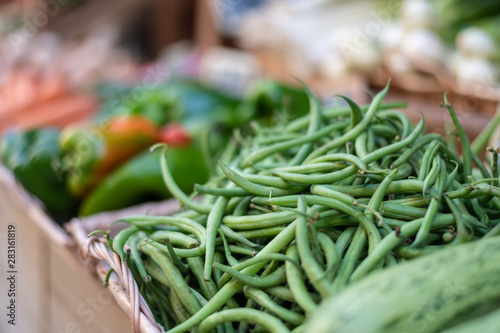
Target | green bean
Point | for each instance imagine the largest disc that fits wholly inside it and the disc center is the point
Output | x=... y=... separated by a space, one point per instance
x=175 y=189
x=331 y=255
x=494 y=166
x=419 y=143
x=263 y=258
x=174 y=278
x=430 y=178
x=242 y=206
x=229 y=233
x=269 y=322
x=250 y=222
x=183 y=223
x=296 y=283
x=254 y=188
x=314 y=124
x=225 y=192
x=136 y=259
x=183 y=268
x=260 y=154
x=391 y=209
x=356 y=113
x=395 y=187
x=263 y=299
x=281 y=292
x=409 y=252
x=208 y=288
x=484 y=136
x=276 y=138
x=275 y=245
x=381 y=191
x=370 y=141
x=120 y=240
x=479 y=164
x=310 y=168
x=403 y=119
x=384 y=130
x=218 y=257
x=213 y=223
x=312 y=234
x=432 y=209
x=343 y=240
x=348 y=171
x=175 y=237
x=495 y=232
x=360 y=145
x=354 y=160
x=266 y=180
x=273 y=279
x=466 y=151
x=356 y=130
x=261 y=233
x=312 y=268
x=462 y=234
x=351 y=257
x=394 y=239
x=451 y=176
x=179 y=311
x=232 y=261
x=342 y=111
x=427 y=159
x=373 y=235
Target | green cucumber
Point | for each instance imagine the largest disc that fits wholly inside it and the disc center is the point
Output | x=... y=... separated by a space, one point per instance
x=427 y=294
x=487 y=323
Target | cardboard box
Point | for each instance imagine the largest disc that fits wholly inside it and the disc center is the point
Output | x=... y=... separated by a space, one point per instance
x=54 y=291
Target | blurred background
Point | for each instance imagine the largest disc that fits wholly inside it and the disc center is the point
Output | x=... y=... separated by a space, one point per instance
x=56 y=54
x=213 y=65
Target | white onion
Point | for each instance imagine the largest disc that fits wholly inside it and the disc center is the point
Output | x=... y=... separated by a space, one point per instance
x=391 y=36
x=475 y=41
x=423 y=43
x=417 y=14
x=476 y=71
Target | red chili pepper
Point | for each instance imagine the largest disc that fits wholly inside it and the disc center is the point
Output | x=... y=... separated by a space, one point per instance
x=175 y=135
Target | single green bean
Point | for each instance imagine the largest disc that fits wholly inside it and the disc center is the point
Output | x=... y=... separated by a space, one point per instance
x=314 y=124
x=269 y=322
x=273 y=279
x=174 y=278
x=312 y=268
x=213 y=223
x=263 y=258
x=263 y=299
x=255 y=188
x=296 y=283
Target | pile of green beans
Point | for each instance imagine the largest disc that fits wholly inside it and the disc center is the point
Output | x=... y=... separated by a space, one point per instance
x=298 y=211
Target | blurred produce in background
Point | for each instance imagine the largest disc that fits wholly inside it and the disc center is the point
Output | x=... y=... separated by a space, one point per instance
x=96 y=86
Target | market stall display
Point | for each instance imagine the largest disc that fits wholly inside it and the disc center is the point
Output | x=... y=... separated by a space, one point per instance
x=290 y=166
x=305 y=211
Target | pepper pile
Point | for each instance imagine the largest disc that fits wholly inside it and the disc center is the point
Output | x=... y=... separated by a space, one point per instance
x=301 y=210
x=105 y=166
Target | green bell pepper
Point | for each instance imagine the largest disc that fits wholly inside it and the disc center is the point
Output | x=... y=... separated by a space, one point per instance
x=140 y=180
x=34 y=158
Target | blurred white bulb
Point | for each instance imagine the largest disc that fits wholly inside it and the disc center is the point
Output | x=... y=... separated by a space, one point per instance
x=417 y=14
x=423 y=44
x=391 y=36
x=475 y=41
x=475 y=71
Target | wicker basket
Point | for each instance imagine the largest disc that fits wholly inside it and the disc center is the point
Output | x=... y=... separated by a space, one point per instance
x=100 y=259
